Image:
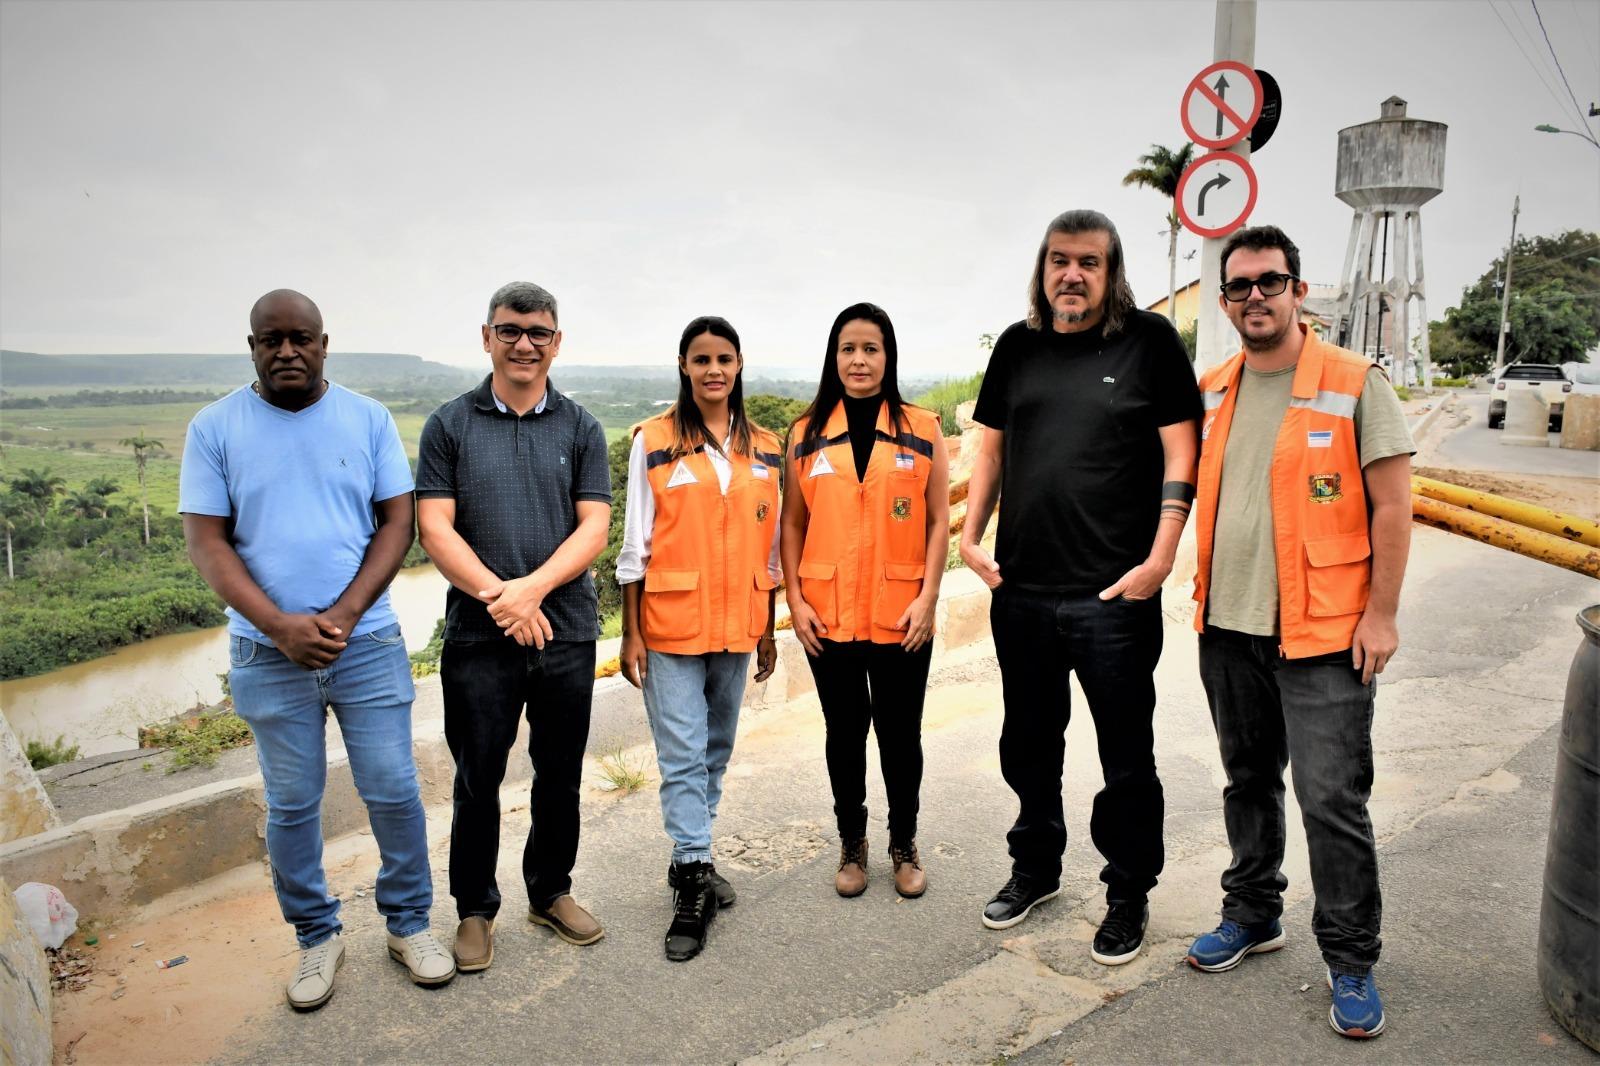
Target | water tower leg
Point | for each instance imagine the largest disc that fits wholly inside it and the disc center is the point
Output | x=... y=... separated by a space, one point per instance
x=1399 y=283
x=1418 y=291
x=1361 y=286
x=1341 y=324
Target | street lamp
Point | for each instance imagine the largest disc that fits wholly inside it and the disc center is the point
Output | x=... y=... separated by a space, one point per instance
x=1545 y=127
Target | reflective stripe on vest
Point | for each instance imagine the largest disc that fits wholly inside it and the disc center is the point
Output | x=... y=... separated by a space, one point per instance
x=706 y=587
x=1320 y=524
x=866 y=540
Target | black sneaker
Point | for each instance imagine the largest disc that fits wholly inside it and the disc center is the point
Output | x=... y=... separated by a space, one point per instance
x=1013 y=902
x=1121 y=934
x=726 y=896
x=694 y=906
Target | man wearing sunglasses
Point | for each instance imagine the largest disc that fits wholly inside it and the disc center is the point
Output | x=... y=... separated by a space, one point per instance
x=513 y=503
x=1303 y=521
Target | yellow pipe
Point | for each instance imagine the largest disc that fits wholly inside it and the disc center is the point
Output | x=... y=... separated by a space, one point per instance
x=1570 y=527
x=1535 y=544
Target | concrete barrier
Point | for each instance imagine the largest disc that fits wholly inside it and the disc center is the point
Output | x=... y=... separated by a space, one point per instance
x=108 y=862
x=1527 y=421
x=25 y=807
x=1580 y=422
x=24 y=988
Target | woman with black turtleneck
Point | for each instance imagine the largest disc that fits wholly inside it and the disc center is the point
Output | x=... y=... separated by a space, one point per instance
x=865 y=528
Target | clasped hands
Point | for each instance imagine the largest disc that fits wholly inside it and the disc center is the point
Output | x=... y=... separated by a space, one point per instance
x=517 y=607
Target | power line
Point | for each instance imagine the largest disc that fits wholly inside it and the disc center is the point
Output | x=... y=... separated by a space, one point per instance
x=1576 y=110
x=1537 y=70
x=1583 y=35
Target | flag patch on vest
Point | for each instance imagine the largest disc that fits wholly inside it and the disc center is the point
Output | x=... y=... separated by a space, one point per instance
x=681 y=475
x=759 y=470
x=761 y=511
x=821 y=466
x=1319 y=438
x=904 y=460
x=1325 y=488
x=901 y=508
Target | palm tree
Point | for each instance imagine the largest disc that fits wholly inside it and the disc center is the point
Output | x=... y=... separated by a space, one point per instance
x=142 y=447
x=1159 y=169
x=40 y=487
x=103 y=486
x=84 y=504
x=13 y=506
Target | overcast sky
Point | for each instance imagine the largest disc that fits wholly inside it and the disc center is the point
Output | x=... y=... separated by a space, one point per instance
x=163 y=164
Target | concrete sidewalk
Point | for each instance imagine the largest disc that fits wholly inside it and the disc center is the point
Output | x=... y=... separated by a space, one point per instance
x=793 y=973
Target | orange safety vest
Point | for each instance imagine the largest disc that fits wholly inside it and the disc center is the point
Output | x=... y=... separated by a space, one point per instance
x=866 y=543
x=1320 y=526
x=707 y=587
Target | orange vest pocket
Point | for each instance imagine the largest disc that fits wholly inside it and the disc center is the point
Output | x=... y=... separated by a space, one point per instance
x=818 y=588
x=1338 y=577
x=902 y=582
x=760 y=597
x=671 y=605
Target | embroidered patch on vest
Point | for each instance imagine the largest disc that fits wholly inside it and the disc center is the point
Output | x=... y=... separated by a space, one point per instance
x=759 y=470
x=681 y=475
x=901 y=509
x=821 y=466
x=1319 y=438
x=761 y=511
x=1205 y=432
x=904 y=461
x=1325 y=488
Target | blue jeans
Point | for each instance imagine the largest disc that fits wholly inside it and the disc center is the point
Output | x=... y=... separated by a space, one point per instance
x=692 y=702
x=1315 y=716
x=285 y=705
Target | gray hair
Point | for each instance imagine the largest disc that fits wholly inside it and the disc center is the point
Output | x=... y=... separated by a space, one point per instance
x=1119 y=295
x=523 y=297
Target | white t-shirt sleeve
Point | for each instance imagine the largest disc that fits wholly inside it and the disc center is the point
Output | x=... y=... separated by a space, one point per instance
x=638 y=518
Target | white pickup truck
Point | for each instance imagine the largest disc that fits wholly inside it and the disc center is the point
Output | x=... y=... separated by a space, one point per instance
x=1549 y=380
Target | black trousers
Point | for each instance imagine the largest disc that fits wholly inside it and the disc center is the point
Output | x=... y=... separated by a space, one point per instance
x=1040 y=639
x=486 y=686
x=1314 y=715
x=863 y=684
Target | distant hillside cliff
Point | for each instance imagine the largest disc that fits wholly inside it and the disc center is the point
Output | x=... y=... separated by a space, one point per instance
x=359 y=370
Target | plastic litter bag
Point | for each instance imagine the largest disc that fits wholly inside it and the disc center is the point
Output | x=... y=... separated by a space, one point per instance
x=47 y=913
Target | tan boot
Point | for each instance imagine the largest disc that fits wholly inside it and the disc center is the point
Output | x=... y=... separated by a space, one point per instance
x=909 y=880
x=852 y=877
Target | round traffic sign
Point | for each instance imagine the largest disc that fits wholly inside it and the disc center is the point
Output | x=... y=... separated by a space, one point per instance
x=1216 y=194
x=1221 y=103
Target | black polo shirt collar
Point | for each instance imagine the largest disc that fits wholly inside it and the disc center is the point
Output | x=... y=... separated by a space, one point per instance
x=483 y=398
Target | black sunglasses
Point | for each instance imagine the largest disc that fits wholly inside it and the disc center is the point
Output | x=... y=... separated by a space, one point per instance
x=1270 y=284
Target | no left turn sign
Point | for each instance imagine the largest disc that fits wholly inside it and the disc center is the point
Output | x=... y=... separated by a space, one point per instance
x=1216 y=194
x=1221 y=104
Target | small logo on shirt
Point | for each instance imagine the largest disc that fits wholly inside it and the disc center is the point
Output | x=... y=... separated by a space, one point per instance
x=342 y=462
x=563 y=460
x=1319 y=438
x=901 y=508
x=904 y=461
x=681 y=475
x=1205 y=432
x=1325 y=488
x=821 y=466
x=1109 y=380
x=760 y=470
x=762 y=510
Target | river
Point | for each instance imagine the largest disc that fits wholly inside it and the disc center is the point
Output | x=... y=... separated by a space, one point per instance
x=100 y=705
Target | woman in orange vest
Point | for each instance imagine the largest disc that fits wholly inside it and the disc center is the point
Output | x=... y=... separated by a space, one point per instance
x=866 y=519
x=698 y=570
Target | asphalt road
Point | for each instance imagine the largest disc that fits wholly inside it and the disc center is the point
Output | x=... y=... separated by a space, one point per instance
x=1474 y=446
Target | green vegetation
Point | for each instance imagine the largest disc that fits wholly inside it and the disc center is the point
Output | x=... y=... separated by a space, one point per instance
x=1451 y=383
x=622 y=771
x=1402 y=392
x=1553 y=315
x=944 y=397
x=426 y=661
x=56 y=752
x=199 y=740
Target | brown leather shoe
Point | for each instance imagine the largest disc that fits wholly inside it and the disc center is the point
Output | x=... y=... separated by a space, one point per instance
x=909 y=880
x=474 y=948
x=571 y=922
x=852 y=877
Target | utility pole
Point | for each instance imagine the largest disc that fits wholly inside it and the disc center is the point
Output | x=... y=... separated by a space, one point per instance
x=1505 y=295
x=1233 y=38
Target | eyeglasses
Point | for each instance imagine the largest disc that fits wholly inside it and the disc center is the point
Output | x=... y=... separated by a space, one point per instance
x=1238 y=290
x=538 y=336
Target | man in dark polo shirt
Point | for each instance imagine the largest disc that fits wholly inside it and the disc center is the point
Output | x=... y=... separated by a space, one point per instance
x=1090 y=407
x=513 y=503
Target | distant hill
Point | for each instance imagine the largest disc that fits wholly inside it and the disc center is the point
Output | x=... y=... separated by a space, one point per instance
x=359 y=370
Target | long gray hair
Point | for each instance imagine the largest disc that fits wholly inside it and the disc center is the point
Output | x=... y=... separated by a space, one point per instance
x=1119 y=295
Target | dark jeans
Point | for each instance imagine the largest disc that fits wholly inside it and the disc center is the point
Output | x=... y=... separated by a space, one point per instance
x=882 y=685
x=486 y=684
x=1314 y=715
x=1041 y=638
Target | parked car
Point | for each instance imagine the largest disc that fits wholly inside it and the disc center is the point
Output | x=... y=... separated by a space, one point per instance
x=1549 y=380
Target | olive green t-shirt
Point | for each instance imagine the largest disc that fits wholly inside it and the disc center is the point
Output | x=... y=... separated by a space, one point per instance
x=1244 y=565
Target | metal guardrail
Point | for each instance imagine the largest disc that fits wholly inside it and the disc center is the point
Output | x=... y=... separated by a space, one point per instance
x=1563 y=540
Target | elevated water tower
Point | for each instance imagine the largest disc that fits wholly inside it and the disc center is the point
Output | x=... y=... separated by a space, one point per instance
x=1387 y=170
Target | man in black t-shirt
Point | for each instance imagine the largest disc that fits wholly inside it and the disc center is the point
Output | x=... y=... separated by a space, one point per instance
x=1091 y=410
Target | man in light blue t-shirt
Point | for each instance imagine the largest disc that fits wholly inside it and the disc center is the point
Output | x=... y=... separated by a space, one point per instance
x=297 y=510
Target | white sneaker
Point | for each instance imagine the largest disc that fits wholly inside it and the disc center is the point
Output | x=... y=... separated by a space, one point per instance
x=420 y=953
x=312 y=984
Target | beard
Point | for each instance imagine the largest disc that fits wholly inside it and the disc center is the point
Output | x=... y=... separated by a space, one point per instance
x=1071 y=317
x=1267 y=342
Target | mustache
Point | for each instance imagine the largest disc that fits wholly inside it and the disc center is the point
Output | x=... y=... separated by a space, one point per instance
x=1072 y=290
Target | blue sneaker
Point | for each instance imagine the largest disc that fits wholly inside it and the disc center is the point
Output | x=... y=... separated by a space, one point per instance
x=1226 y=946
x=1357 y=1012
